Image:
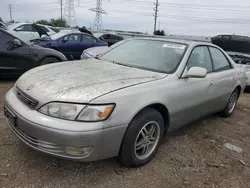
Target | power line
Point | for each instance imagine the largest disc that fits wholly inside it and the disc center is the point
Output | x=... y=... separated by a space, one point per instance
x=10 y=9
x=156 y=13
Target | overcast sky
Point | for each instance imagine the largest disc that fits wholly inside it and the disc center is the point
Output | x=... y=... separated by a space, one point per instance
x=190 y=17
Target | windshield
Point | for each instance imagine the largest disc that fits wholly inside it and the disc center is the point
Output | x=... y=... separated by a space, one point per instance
x=56 y=36
x=159 y=56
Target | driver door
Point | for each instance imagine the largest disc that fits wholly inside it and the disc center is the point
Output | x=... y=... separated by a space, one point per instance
x=195 y=95
x=69 y=45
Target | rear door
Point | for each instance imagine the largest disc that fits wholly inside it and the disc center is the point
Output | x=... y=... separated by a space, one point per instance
x=14 y=60
x=224 y=76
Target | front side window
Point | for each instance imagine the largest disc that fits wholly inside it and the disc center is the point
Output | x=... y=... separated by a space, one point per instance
x=200 y=57
x=219 y=60
x=72 y=38
x=154 y=55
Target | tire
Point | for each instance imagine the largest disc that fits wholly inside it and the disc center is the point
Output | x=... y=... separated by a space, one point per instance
x=48 y=60
x=147 y=118
x=229 y=109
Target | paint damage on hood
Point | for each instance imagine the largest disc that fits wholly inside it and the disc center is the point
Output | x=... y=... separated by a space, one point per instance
x=81 y=81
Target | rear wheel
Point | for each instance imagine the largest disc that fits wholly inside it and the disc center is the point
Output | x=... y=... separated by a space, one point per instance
x=142 y=138
x=48 y=60
x=229 y=109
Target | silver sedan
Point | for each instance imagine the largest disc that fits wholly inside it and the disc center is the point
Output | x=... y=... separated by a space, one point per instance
x=122 y=103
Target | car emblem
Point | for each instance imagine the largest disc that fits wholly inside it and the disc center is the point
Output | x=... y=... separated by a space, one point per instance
x=30 y=87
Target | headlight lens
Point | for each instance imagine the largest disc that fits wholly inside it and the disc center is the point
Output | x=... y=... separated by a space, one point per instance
x=79 y=112
x=247 y=68
x=96 y=112
x=61 y=110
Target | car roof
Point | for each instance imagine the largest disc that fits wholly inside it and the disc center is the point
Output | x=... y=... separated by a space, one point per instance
x=184 y=41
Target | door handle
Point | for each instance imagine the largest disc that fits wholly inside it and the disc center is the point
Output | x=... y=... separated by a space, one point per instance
x=212 y=84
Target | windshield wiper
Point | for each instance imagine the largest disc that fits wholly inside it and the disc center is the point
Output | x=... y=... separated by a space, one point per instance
x=122 y=64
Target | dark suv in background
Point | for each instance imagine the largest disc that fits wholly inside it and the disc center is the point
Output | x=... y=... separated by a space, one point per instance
x=109 y=38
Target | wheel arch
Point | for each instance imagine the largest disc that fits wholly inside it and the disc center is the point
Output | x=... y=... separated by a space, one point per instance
x=239 y=89
x=50 y=56
x=161 y=108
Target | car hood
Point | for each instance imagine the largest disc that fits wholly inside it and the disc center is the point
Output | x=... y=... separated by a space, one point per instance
x=81 y=81
x=97 y=50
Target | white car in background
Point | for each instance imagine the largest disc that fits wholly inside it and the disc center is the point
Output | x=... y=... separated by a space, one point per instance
x=26 y=32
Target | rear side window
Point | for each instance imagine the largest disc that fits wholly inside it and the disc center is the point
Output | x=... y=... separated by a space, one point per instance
x=219 y=60
x=87 y=38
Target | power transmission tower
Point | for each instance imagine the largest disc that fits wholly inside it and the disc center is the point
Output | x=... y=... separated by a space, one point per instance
x=69 y=12
x=156 y=13
x=98 y=25
x=61 y=8
x=10 y=9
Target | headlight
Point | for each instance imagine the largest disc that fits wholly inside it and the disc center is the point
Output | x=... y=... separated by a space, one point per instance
x=78 y=112
x=61 y=110
x=96 y=112
x=85 y=55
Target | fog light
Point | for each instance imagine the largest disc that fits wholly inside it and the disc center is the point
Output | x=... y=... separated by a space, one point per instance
x=77 y=151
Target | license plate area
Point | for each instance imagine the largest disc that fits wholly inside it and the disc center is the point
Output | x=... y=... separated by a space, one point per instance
x=10 y=116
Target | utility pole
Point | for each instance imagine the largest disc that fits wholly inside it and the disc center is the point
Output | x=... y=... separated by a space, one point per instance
x=156 y=13
x=61 y=7
x=10 y=9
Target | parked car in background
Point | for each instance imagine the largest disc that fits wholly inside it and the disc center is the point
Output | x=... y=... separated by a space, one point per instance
x=94 y=52
x=122 y=104
x=27 y=31
x=3 y=26
x=71 y=44
x=242 y=60
x=108 y=37
x=16 y=56
x=238 y=47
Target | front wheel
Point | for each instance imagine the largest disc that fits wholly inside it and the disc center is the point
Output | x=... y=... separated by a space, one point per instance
x=229 y=109
x=142 y=138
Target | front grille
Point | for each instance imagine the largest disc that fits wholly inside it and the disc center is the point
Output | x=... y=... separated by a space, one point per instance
x=26 y=99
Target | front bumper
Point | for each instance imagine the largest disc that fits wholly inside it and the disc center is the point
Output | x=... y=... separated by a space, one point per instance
x=42 y=137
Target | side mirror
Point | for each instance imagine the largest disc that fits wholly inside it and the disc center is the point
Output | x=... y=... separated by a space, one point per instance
x=17 y=42
x=64 y=41
x=197 y=72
